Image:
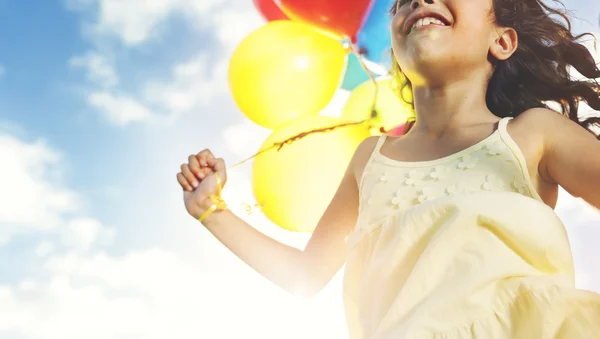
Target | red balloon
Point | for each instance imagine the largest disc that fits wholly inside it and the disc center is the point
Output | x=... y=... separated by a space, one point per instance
x=269 y=10
x=340 y=17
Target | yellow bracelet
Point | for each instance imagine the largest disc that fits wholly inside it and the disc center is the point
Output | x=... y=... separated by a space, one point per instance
x=218 y=202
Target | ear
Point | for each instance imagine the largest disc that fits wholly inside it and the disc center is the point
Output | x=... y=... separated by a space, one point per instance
x=505 y=43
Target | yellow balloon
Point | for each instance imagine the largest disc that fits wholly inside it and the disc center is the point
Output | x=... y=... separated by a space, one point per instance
x=391 y=109
x=296 y=184
x=285 y=70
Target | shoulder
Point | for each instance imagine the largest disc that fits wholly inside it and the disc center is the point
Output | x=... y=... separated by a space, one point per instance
x=538 y=126
x=547 y=125
x=570 y=156
x=364 y=150
x=540 y=118
x=368 y=145
x=362 y=154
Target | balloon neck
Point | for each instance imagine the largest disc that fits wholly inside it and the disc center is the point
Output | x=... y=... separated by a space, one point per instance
x=375 y=119
x=374 y=114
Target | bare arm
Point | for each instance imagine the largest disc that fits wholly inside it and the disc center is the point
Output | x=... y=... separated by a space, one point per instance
x=301 y=273
x=571 y=156
x=282 y=264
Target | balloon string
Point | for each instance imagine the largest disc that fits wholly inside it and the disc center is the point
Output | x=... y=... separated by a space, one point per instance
x=279 y=145
x=374 y=113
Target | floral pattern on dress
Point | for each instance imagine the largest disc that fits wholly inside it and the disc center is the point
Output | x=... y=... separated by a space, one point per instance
x=438 y=173
x=397 y=186
x=397 y=199
x=490 y=182
x=467 y=162
x=452 y=189
x=426 y=194
x=520 y=185
x=496 y=148
x=413 y=178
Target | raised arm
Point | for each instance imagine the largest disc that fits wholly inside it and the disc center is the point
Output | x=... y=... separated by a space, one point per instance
x=302 y=273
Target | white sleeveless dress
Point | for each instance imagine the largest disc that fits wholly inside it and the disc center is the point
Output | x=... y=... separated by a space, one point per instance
x=461 y=247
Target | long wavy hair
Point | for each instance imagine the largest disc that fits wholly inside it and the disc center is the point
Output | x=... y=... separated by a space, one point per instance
x=539 y=70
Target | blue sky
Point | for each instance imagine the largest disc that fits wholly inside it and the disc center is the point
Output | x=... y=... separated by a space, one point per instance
x=100 y=102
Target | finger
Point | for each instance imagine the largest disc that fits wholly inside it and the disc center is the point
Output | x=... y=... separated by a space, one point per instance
x=211 y=161
x=194 y=165
x=205 y=171
x=202 y=157
x=185 y=169
x=218 y=165
x=183 y=182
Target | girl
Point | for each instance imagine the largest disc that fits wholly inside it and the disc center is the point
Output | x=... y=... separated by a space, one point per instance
x=449 y=231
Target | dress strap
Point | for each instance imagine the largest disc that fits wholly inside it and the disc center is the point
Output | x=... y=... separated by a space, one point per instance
x=380 y=142
x=502 y=126
x=518 y=154
x=376 y=150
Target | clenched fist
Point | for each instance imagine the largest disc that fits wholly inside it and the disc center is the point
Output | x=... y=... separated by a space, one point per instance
x=198 y=180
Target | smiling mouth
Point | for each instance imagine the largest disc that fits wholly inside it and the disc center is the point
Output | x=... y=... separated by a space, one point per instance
x=427 y=22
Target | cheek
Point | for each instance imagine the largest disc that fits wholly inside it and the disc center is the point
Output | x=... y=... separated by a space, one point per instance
x=397 y=21
x=396 y=27
x=474 y=38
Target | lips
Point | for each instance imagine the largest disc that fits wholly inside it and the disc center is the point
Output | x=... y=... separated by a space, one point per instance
x=414 y=17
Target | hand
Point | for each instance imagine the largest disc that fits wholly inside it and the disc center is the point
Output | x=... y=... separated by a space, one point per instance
x=198 y=180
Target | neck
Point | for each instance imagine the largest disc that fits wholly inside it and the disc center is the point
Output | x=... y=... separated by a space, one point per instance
x=443 y=109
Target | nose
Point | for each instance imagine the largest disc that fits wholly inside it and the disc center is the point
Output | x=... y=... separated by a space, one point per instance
x=416 y=3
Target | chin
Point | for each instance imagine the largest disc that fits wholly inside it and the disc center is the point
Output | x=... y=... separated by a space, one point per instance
x=422 y=66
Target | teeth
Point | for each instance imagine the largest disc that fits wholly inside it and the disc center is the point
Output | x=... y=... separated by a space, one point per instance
x=426 y=22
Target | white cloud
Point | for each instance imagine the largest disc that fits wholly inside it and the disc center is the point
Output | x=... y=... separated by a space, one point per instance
x=132 y=21
x=82 y=291
x=99 y=69
x=232 y=23
x=244 y=139
x=135 y=22
x=82 y=233
x=33 y=199
x=30 y=202
x=575 y=210
x=582 y=222
x=193 y=83
x=155 y=294
x=122 y=110
x=44 y=248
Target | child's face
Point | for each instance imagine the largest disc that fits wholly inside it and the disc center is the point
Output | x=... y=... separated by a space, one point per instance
x=445 y=50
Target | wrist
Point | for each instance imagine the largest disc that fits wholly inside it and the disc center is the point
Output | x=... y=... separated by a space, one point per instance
x=208 y=208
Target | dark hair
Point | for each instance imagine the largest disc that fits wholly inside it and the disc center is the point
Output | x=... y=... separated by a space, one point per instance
x=538 y=71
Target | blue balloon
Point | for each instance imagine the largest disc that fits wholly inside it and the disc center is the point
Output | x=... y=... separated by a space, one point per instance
x=374 y=39
x=355 y=73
